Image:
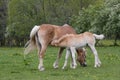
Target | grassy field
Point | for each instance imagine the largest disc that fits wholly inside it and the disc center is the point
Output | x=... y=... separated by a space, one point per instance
x=13 y=66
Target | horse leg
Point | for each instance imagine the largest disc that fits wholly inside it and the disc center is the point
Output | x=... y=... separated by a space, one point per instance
x=41 y=56
x=41 y=51
x=55 y=64
x=66 y=58
x=73 y=51
x=97 y=60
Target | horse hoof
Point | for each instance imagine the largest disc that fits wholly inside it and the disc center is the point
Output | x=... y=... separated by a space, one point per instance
x=73 y=66
x=55 y=66
x=42 y=69
x=97 y=65
x=63 y=67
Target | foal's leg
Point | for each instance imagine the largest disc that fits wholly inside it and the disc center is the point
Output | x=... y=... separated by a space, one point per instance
x=55 y=65
x=66 y=58
x=73 y=51
x=97 y=60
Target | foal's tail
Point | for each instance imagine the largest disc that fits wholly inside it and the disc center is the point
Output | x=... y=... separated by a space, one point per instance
x=31 y=44
x=99 y=36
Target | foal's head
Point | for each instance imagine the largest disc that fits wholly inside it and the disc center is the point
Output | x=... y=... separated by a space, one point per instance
x=81 y=58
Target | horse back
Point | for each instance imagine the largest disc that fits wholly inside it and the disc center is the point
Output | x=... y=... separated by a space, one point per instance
x=50 y=32
x=63 y=30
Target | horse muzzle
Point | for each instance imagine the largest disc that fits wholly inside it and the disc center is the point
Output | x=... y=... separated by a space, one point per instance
x=83 y=64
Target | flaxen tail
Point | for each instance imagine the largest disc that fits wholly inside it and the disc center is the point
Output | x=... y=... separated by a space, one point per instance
x=31 y=44
x=99 y=36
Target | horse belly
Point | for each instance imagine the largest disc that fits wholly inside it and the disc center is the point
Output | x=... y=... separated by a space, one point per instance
x=77 y=43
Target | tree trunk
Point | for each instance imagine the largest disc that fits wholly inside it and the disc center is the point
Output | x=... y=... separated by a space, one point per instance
x=44 y=11
x=115 y=41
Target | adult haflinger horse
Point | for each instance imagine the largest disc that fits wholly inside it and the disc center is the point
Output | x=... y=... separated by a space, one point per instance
x=42 y=36
x=80 y=40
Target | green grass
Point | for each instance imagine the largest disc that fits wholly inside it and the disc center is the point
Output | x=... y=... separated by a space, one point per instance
x=108 y=42
x=13 y=66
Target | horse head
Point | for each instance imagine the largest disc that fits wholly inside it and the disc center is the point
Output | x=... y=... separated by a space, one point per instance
x=81 y=58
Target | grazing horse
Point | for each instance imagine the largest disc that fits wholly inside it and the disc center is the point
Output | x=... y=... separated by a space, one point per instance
x=79 y=41
x=42 y=36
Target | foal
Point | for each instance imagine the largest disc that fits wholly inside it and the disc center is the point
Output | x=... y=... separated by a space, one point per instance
x=79 y=41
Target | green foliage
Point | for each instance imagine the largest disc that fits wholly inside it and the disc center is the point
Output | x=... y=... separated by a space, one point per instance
x=83 y=22
x=102 y=18
x=109 y=19
x=3 y=15
x=24 y=14
x=13 y=66
x=98 y=16
x=113 y=23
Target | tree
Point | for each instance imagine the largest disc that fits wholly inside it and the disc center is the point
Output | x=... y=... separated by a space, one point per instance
x=84 y=20
x=3 y=17
x=113 y=24
x=109 y=19
x=24 y=14
x=103 y=18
